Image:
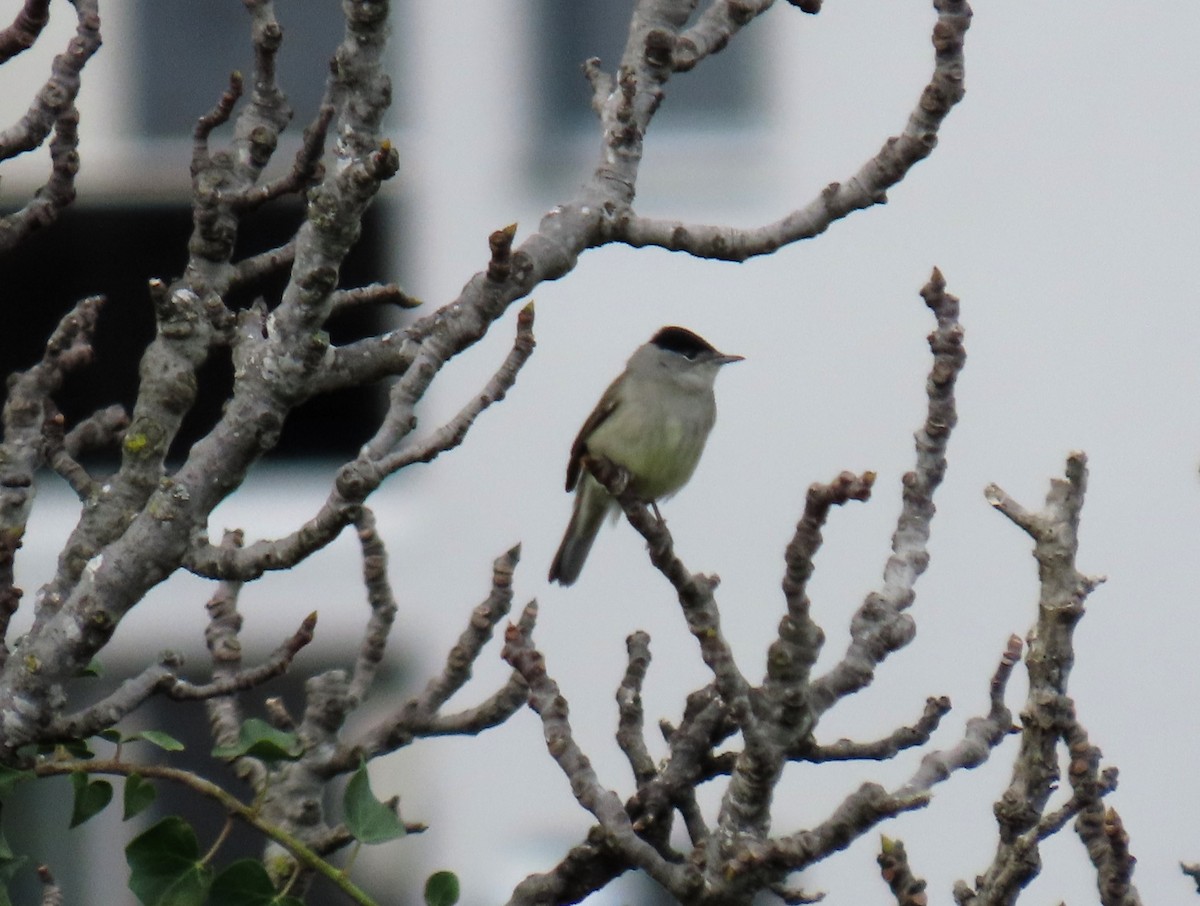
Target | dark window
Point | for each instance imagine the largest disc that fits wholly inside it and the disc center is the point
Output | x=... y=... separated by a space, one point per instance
x=187 y=51
x=721 y=91
x=114 y=251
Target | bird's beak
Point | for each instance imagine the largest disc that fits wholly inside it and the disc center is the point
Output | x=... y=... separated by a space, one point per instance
x=723 y=359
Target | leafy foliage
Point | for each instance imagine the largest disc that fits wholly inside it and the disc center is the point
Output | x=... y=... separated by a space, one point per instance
x=10 y=864
x=166 y=867
x=139 y=794
x=10 y=777
x=441 y=889
x=91 y=796
x=246 y=883
x=369 y=820
x=164 y=741
x=259 y=739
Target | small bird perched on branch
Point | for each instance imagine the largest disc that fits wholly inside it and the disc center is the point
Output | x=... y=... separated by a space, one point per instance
x=653 y=422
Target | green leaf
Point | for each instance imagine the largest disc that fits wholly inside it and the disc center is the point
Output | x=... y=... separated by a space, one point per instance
x=90 y=797
x=139 y=793
x=157 y=737
x=76 y=748
x=165 y=866
x=441 y=889
x=246 y=883
x=164 y=741
x=368 y=819
x=10 y=777
x=94 y=668
x=9 y=865
x=260 y=740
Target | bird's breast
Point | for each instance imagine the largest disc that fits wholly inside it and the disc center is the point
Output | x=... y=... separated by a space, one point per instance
x=658 y=446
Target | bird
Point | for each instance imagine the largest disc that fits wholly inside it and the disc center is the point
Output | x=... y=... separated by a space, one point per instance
x=653 y=422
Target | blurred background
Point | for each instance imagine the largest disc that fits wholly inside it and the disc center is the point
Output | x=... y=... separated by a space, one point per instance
x=1061 y=205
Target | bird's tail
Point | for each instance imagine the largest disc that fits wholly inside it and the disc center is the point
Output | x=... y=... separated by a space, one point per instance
x=591 y=505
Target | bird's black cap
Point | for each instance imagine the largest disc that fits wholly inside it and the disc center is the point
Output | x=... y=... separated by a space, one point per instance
x=681 y=340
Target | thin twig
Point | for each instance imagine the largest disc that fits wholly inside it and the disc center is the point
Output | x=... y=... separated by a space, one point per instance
x=25 y=28
x=867 y=187
x=888 y=747
x=630 y=726
x=551 y=707
x=382 y=602
x=881 y=626
x=162 y=679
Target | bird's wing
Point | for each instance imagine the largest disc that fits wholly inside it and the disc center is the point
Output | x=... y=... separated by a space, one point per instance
x=606 y=407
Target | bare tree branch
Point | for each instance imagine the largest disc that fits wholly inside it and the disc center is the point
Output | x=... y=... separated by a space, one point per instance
x=862 y=810
x=54 y=440
x=382 y=602
x=1049 y=715
x=101 y=429
x=1099 y=827
x=883 y=749
x=867 y=187
x=630 y=729
x=981 y=736
x=52 y=108
x=191 y=319
x=547 y=701
x=695 y=592
x=52 y=894
x=250 y=271
x=483 y=622
x=275 y=665
x=881 y=626
x=907 y=888
x=713 y=29
x=151 y=518
x=163 y=679
x=218 y=116
x=455 y=431
x=871 y=804
x=27 y=410
x=251 y=561
x=359 y=478
x=374 y=294
x=25 y=28
x=225 y=650
x=491 y=712
x=56 y=193
x=745 y=809
x=306 y=169
x=420 y=715
x=740 y=857
x=798 y=644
